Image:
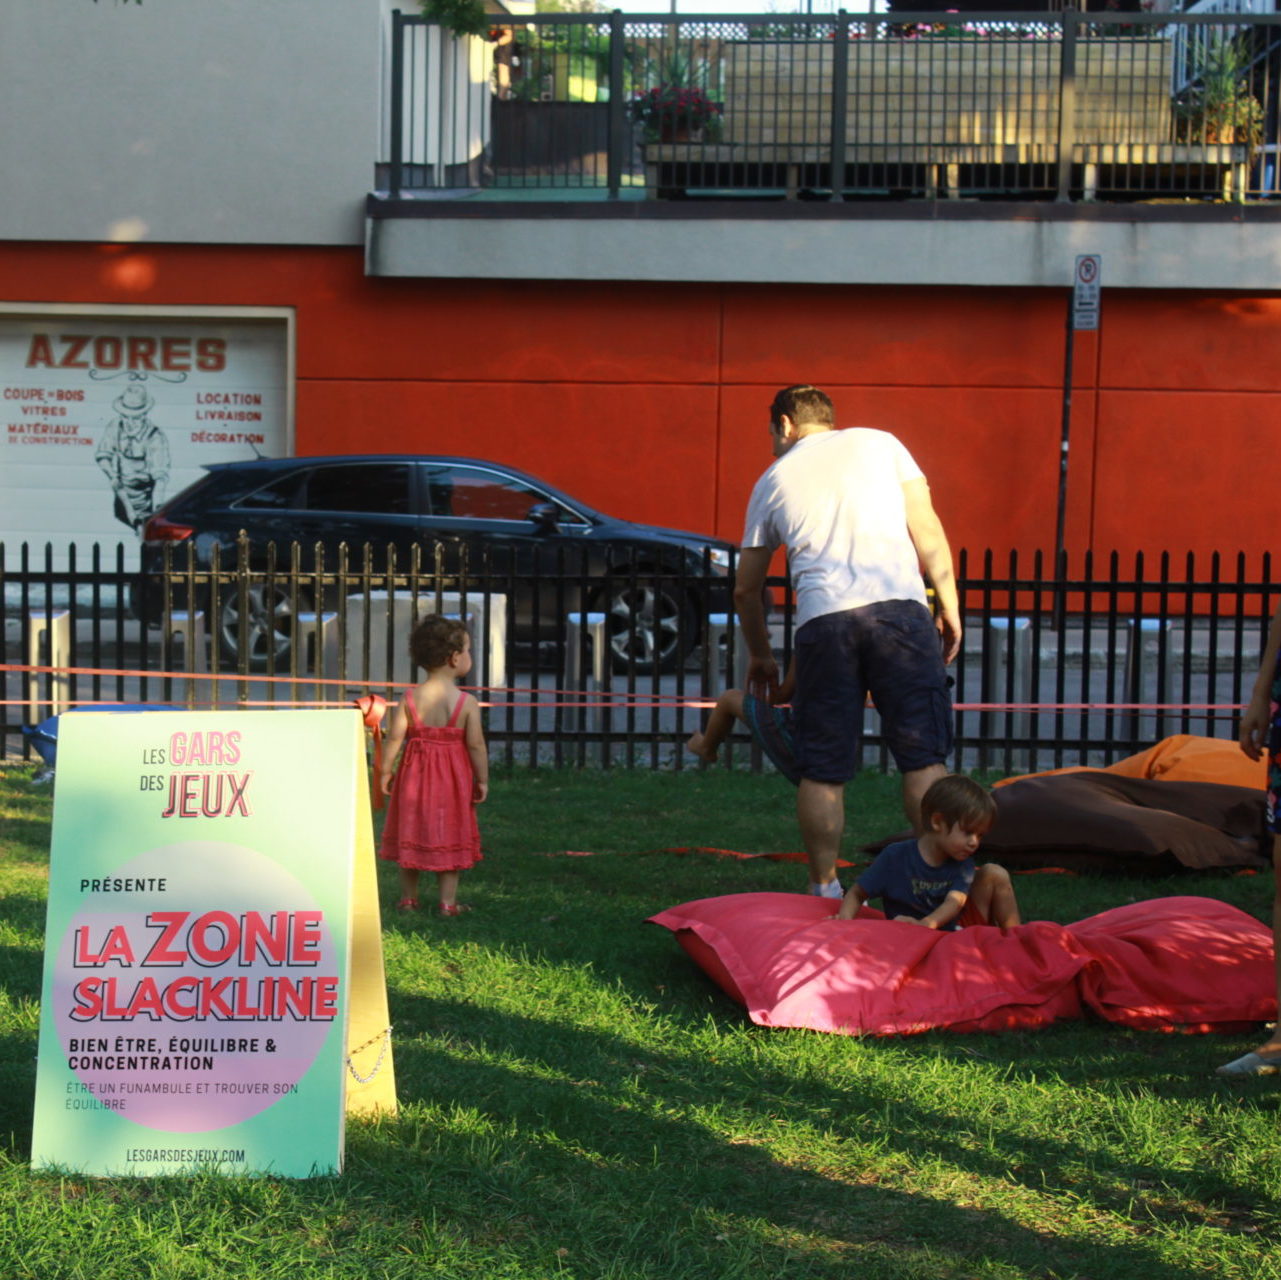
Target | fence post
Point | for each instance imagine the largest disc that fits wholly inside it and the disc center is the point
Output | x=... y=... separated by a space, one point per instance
x=1007 y=677
x=586 y=632
x=397 y=130
x=189 y=624
x=614 y=153
x=840 y=101
x=1142 y=634
x=1067 y=105
x=48 y=645
x=731 y=666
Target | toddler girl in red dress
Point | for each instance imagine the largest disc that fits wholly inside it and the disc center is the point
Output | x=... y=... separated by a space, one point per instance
x=444 y=768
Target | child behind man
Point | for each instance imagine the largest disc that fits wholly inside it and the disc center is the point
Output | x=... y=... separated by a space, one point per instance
x=770 y=724
x=932 y=880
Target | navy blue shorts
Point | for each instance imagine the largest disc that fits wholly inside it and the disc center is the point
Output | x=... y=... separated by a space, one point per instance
x=774 y=729
x=892 y=651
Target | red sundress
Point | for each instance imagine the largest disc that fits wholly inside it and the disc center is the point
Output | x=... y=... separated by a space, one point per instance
x=431 y=820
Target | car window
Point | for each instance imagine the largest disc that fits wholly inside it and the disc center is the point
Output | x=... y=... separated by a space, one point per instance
x=281 y=494
x=474 y=493
x=377 y=488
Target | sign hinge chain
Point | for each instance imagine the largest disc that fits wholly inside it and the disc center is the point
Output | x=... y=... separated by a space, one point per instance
x=385 y=1036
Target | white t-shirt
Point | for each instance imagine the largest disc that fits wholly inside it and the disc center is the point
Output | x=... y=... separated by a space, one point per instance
x=835 y=501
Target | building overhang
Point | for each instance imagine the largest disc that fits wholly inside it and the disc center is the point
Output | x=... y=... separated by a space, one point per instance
x=1206 y=246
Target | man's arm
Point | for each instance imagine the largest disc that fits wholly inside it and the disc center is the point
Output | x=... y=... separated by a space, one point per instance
x=1253 y=733
x=749 y=603
x=926 y=531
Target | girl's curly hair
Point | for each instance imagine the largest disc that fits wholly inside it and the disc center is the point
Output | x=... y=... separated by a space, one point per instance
x=436 y=639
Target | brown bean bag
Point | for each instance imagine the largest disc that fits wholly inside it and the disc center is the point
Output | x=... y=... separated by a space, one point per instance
x=1104 y=821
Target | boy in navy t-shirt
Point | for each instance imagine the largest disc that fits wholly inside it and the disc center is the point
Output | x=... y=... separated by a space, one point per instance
x=933 y=880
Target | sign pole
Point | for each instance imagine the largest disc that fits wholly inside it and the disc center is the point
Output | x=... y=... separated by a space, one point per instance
x=1083 y=313
x=1065 y=436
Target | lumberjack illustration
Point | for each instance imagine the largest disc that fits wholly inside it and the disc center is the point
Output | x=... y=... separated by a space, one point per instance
x=134 y=456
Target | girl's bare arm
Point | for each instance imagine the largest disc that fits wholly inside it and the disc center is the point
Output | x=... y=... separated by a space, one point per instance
x=392 y=743
x=474 y=737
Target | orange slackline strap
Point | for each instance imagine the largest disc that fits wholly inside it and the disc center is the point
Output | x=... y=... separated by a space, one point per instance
x=681 y=850
x=618 y=699
x=373 y=708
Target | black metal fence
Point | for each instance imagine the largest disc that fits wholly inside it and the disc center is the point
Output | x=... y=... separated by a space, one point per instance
x=1080 y=667
x=1062 y=105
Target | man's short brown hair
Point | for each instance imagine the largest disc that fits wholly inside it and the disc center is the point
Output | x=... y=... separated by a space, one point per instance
x=804 y=405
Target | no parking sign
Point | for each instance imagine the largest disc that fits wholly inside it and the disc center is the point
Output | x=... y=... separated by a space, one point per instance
x=1087 y=290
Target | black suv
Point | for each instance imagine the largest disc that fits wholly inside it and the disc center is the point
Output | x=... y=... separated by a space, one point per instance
x=552 y=552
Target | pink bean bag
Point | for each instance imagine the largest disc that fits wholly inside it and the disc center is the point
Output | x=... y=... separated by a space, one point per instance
x=1184 y=963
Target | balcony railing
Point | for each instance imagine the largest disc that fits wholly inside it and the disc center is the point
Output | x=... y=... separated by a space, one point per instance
x=1067 y=106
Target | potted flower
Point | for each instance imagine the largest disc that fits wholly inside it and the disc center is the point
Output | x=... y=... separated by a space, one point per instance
x=672 y=112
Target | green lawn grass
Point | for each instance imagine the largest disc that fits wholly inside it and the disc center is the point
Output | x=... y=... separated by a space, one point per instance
x=577 y=1100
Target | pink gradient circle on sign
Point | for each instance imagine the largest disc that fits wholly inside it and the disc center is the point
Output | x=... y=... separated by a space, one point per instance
x=154 y=1070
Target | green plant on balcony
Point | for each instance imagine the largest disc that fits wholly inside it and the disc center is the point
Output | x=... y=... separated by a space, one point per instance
x=1220 y=105
x=462 y=17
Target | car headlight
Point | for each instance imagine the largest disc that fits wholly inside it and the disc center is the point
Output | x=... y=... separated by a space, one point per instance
x=718 y=557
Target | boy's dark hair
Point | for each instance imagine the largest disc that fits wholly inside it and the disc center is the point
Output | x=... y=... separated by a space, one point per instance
x=958 y=799
x=436 y=639
x=804 y=405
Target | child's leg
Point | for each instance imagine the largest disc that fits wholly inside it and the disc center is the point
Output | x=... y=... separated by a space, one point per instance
x=992 y=896
x=728 y=708
x=447 y=883
x=409 y=885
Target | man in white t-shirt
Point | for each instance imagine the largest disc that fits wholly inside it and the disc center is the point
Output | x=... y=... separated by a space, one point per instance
x=854 y=512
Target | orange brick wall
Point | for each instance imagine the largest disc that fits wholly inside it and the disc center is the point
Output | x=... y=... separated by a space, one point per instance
x=649 y=401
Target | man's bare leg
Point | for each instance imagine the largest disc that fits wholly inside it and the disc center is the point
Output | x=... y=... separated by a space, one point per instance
x=1271 y=1047
x=1266 y=1059
x=820 y=811
x=916 y=783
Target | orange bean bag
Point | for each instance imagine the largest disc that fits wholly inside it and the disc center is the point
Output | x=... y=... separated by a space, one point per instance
x=1181 y=758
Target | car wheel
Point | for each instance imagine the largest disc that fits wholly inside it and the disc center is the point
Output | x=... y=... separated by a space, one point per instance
x=270 y=624
x=648 y=625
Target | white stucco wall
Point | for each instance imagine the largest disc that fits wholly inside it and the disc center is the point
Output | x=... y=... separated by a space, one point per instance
x=201 y=121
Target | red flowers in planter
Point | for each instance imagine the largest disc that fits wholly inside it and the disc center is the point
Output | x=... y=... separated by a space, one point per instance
x=668 y=108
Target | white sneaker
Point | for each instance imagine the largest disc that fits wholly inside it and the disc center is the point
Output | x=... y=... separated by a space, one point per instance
x=832 y=889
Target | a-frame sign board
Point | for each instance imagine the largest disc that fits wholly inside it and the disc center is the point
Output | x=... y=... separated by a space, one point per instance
x=213 y=995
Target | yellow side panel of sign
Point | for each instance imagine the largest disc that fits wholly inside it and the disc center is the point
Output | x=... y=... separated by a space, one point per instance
x=371 y=1080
